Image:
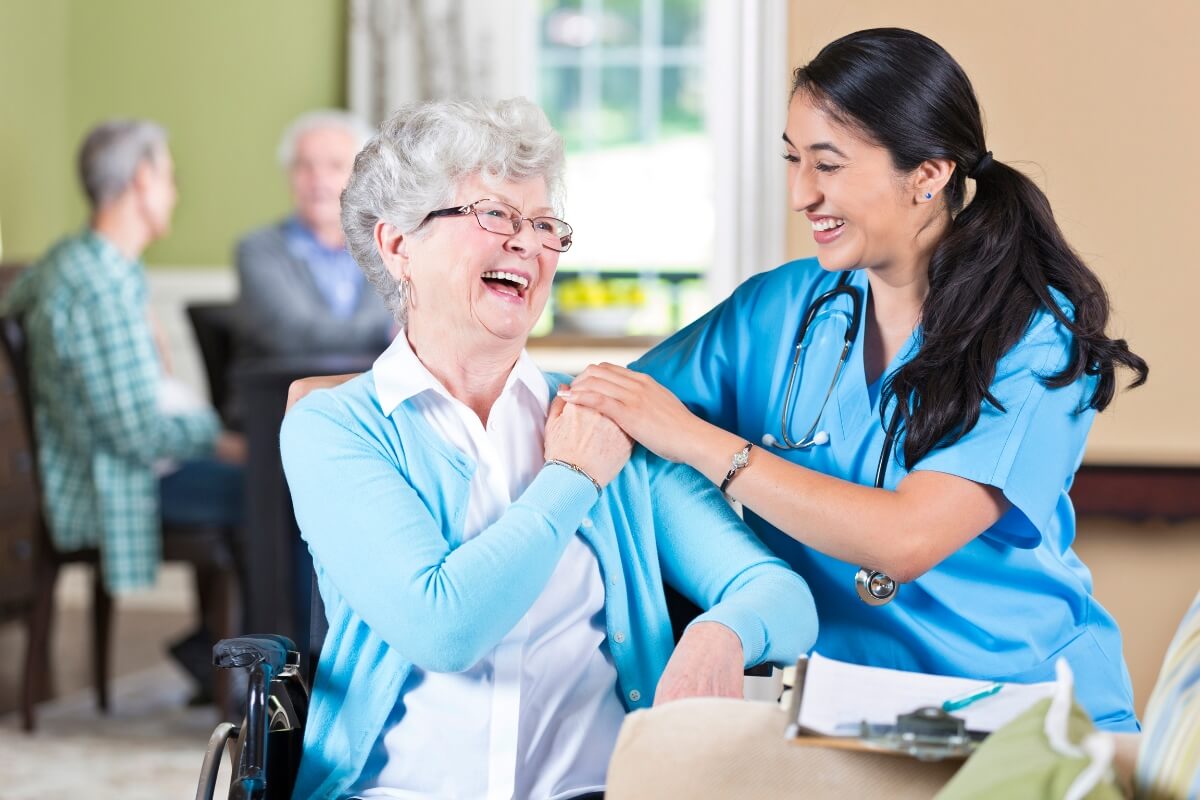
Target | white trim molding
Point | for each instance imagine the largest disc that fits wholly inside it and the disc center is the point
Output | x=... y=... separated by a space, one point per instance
x=748 y=81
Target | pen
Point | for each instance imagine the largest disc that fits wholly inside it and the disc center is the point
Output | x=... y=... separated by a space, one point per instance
x=964 y=700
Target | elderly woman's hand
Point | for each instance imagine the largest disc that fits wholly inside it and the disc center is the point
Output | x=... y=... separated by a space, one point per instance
x=640 y=405
x=587 y=439
x=707 y=662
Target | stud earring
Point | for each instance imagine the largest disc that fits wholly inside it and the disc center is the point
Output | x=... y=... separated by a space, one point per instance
x=929 y=195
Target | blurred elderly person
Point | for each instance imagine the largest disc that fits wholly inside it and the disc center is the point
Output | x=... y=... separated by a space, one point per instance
x=121 y=444
x=492 y=564
x=101 y=393
x=301 y=292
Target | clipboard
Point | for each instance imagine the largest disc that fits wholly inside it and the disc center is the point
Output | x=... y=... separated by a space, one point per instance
x=927 y=733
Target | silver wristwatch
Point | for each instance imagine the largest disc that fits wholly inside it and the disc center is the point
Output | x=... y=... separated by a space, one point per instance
x=740 y=459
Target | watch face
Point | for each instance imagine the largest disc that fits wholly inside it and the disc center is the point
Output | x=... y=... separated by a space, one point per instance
x=741 y=458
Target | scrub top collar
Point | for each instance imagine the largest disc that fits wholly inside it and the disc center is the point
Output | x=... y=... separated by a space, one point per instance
x=854 y=400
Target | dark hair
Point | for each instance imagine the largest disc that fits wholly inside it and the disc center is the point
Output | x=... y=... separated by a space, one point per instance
x=994 y=267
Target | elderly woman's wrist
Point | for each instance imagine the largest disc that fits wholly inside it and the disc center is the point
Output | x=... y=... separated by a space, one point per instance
x=577 y=469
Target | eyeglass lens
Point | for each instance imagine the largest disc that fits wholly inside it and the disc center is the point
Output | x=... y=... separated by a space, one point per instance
x=502 y=218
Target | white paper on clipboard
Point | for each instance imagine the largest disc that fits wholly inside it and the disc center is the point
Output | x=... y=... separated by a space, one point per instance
x=839 y=696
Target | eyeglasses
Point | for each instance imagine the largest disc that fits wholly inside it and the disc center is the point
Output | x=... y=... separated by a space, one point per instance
x=496 y=217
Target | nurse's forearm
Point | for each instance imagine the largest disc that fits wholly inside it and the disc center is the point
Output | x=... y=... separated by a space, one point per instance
x=904 y=533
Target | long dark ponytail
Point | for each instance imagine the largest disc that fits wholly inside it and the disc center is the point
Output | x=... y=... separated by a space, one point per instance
x=994 y=268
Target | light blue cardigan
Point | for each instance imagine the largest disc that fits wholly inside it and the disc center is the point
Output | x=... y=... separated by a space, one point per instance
x=381 y=501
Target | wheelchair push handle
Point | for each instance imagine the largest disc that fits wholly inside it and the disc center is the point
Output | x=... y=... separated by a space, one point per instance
x=265 y=656
x=271 y=650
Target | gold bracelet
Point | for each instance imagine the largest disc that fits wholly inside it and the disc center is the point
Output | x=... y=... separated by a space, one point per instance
x=574 y=468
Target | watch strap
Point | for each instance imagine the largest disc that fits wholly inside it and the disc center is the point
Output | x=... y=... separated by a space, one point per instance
x=739 y=462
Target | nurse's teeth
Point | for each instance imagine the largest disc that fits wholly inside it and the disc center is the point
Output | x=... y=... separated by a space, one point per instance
x=827 y=223
x=507 y=276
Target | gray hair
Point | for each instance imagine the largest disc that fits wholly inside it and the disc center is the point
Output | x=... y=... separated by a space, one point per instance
x=420 y=155
x=110 y=155
x=320 y=120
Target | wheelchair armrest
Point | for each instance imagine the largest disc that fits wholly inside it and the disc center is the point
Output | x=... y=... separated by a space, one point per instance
x=272 y=650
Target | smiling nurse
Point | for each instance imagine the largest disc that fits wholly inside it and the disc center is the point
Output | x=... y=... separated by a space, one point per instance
x=970 y=331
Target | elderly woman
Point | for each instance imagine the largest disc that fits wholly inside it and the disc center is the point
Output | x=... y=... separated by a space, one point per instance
x=491 y=563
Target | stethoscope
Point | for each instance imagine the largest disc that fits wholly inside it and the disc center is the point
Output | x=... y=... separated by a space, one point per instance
x=874 y=587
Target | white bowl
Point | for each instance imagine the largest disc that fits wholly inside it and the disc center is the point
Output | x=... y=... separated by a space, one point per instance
x=610 y=321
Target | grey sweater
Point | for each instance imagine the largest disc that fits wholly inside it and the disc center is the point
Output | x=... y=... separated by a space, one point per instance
x=282 y=312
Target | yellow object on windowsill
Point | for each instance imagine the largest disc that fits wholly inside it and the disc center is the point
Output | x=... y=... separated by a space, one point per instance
x=597 y=307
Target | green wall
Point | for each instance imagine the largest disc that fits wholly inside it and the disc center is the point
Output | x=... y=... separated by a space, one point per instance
x=35 y=167
x=224 y=76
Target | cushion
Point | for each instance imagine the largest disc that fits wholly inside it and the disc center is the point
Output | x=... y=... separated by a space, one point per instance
x=1168 y=765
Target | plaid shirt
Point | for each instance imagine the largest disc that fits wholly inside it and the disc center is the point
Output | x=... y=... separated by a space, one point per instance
x=95 y=376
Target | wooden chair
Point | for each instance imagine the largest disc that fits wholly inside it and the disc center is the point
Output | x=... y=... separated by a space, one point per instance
x=209 y=550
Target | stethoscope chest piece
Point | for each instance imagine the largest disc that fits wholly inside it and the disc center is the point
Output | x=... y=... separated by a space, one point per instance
x=875 y=588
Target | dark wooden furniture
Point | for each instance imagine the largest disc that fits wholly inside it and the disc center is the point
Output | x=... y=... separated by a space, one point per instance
x=209 y=550
x=18 y=503
x=1137 y=492
x=277 y=599
x=19 y=513
x=18 y=494
x=46 y=562
x=213 y=327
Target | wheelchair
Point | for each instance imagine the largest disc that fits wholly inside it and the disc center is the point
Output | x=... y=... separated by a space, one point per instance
x=276 y=709
x=264 y=751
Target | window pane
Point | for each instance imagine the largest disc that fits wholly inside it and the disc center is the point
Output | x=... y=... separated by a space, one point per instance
x=682 y=101
x=561 y=91
x=621 y=23
x=683 y=22
x=618 y=118
x=632 y=114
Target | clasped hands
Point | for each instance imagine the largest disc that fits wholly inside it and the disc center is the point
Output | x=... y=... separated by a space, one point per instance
x=639 y=405
x=613 y=406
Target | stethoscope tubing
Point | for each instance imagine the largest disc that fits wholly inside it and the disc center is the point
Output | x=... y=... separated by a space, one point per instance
x=873 y=587
x=843 y=288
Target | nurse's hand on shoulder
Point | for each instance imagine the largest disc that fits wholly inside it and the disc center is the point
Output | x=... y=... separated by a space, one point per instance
x=640 y=405
x=587 y=439
x=300 y=389
x=707 y=662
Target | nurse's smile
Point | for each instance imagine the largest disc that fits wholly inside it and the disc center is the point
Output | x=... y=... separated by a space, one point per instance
x=826 y=228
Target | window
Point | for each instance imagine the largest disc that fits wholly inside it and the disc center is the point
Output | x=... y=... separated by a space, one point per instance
x=671 y=111
x=624 y=82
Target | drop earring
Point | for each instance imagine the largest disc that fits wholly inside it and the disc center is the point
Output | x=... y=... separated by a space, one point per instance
x=407 y=293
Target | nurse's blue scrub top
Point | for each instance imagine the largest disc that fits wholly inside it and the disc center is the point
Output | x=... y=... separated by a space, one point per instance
x=1007 y=604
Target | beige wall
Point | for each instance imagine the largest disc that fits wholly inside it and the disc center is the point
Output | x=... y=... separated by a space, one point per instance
x=1142 y=575
x=1099 y=103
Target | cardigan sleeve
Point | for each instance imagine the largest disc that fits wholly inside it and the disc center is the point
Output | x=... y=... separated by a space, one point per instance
x=711 y=557
x=389 y=558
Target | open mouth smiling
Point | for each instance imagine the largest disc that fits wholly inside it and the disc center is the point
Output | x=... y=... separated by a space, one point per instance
x=508 y=283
